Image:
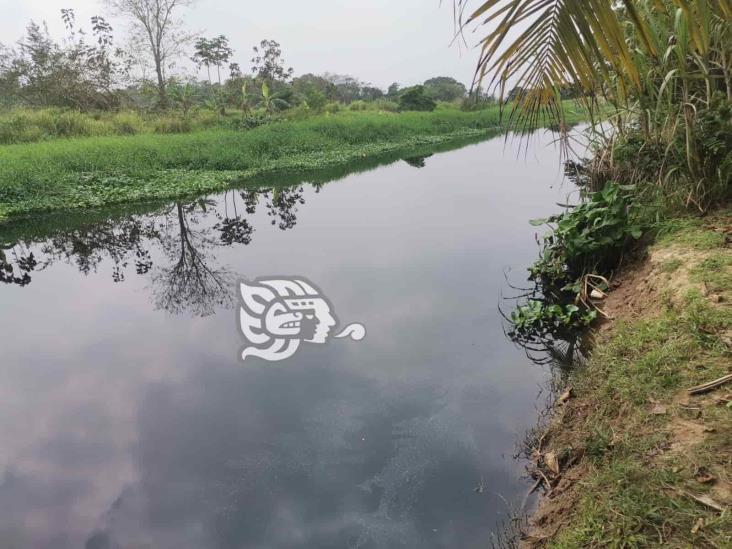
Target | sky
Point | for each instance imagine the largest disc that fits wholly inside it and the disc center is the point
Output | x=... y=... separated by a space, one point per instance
x=377 y=41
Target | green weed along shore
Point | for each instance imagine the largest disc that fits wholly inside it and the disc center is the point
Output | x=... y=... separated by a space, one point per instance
x=92 y=172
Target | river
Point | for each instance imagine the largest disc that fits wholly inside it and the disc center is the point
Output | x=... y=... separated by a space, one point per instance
x=129 y=419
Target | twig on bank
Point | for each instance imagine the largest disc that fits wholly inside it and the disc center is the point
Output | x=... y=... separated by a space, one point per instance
x=706 y=387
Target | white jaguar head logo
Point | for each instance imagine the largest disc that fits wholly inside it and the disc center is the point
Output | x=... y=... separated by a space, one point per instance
x=277 y=314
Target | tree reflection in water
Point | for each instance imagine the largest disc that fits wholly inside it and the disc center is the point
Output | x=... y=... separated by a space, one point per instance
x=191 y=281
x=185 y=276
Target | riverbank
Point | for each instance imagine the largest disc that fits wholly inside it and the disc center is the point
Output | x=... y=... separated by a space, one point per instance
x=94 y=172
x=630 y=457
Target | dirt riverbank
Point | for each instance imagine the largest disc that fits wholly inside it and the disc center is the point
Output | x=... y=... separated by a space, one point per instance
x=630 y=456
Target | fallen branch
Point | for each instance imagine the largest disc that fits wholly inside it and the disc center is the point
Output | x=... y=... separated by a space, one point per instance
x=706 y=387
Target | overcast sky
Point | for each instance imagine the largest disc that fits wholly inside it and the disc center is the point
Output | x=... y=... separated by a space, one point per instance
x=377 y=41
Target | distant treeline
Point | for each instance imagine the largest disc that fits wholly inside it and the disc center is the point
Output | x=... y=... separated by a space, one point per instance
x=88 y=71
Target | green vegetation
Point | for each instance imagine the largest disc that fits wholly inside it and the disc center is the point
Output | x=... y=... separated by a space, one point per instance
x=536 y=317
x=91 y=172
x=416 y=99
x=640 y=483
x=649 y=466
x=582 y=242
x=664 y=68
x=32 y=125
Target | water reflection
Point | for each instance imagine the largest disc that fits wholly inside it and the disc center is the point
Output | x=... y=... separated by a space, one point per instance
x=417 y=161
x=124 y=426
x=187 y=277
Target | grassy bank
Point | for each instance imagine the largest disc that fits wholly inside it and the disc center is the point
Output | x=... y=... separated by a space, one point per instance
x=632 y=459
x=77 y=173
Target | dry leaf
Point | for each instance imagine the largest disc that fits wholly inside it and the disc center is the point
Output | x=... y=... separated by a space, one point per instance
x=698 y=525
x=658 y=410
x=550 y=458
x=706 y=500
x=566 y=395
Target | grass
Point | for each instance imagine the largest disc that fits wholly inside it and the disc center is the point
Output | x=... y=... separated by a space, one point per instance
x=32 y=125
x=91 y=172
x=690 y=232
x=642 y=467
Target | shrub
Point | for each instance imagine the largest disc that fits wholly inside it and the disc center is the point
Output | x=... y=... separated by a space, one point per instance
x=127 y=123
x=358 y=105
x=386 y=105
x=301 y=112
x=415 y=99
x=333 y=107
x=74 y=124
x=171 y=124
x=588 y=238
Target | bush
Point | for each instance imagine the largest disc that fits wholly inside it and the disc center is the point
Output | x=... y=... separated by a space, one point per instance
x=333 y=107
x=171 y=124
x=415 y=99
x=301 y=112
x=358 y=105
x=589 y=238
x=386 y=105
x=75 y=124
x=127 y=123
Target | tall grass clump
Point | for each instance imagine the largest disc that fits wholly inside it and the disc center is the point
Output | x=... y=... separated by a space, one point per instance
x=127 y=123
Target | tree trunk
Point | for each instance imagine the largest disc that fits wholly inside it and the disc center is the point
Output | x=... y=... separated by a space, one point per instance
x=162 y=92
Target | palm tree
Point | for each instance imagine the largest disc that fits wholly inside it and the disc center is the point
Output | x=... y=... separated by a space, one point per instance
x=626 y=51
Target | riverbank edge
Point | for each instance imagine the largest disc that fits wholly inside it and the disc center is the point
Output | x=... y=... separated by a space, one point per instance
x=181 y=183
x=627 y=456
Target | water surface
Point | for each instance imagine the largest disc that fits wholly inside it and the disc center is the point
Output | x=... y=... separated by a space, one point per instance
x=127 y=418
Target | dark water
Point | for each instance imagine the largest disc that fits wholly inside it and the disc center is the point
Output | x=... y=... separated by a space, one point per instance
x=127 y=418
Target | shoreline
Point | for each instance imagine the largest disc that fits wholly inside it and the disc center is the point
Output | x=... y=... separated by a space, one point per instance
x=72 y=174
x=628 y=454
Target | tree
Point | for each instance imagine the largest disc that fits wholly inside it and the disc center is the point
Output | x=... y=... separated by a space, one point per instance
x=214 y=52
x=268 y=64
x=602 y=47
x=347 y=88
x=302 y=84
x=158 y=30
x=393 y=90
x=664 y=65
x=415 y=99
x=444 y=88
x=371 y=93
x=73 y=73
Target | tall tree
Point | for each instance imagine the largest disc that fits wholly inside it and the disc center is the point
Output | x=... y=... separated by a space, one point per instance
x=213 y=52
x=156 y=24
x=268 y=64
x=444 y=88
